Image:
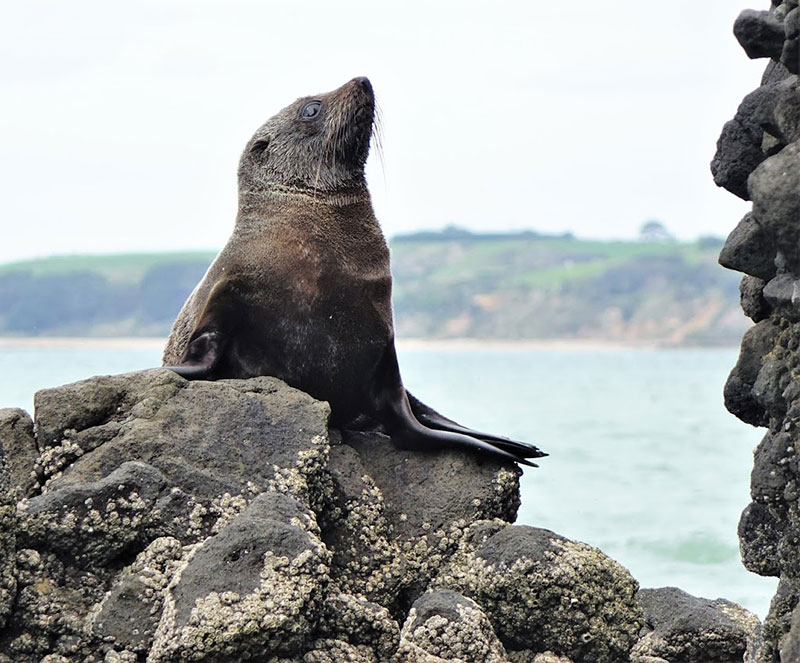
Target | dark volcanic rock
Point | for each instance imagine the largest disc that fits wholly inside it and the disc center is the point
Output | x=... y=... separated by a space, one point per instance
x=361 y=623
x=415 y=508
x=169 y=520
x=223 y=521
x=253 y=589
x=95 y=522
x=760 y=34
x=740 y=147
x=739 y=397
x=206 y=438
x=444 y=625
x=759 y=535
x=751 y=297
x=543 y=592
x=748 y=249
x=681 y=627
x=790 y=55
x=790 y=643
x=16 y=433
x=738 y=154
x=773 y=188
x=8 y=541
x=764 y=387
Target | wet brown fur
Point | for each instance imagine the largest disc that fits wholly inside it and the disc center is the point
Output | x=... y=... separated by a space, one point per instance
x=302 y=289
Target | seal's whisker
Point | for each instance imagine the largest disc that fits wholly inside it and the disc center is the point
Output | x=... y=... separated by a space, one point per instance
x=377 y=135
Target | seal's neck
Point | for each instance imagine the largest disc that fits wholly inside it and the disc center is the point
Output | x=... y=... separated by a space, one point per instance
x=280 y=195
x=259 y=206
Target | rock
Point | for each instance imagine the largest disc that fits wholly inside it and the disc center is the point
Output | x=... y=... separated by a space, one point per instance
x=790 y=55
x=527 y=656
x=774 y=73
x=772 y=468
x=398 y=516
x=97 y=522
x=773 y=187
x=131 y=611
x=763 y=389
x=759 y=535
x=254 y=589
x=16 y=437
x=222 y=521
x=783 y=292
x=353 y=619
x=543 y=592
x=790 y=643
x=751 y=297
x=779 y=621
x=524 y=656
x=760 y=34
x=173 y=519
x=770 y=384
x=206 y=438
x=738 y=154
x=762 y=127
x=681 y=627
x=738 y=393
x=787 y=112
x=335 y=651
x=8 y=542
x=446 y=626
x=748 y=249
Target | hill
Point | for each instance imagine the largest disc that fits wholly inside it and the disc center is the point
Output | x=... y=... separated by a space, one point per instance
x=447 y=284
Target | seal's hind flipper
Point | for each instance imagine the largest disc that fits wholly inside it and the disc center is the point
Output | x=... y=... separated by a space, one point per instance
x=395 y=412
x=427 y=438
x=429 y=417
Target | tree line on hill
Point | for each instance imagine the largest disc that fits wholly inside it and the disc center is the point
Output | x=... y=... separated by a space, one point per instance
x=450 y=284
x=87 y=303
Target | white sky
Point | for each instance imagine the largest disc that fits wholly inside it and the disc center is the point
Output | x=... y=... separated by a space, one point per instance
x=121 y=124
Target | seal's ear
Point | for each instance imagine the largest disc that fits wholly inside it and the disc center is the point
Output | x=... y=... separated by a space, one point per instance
x=260 y=148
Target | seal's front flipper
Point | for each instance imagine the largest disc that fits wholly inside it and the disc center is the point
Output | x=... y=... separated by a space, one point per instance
x=429 y=417
x=201 y=357
x=211 y=352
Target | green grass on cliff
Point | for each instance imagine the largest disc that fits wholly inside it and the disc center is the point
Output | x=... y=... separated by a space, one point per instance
x=116 y=267
x=445 y=284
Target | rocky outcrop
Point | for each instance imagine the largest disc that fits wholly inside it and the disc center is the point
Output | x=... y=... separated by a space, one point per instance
x=758 y=159
x=150 y=519
x=680 y=627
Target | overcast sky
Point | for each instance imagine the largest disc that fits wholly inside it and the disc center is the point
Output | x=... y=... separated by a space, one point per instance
x=122 y=123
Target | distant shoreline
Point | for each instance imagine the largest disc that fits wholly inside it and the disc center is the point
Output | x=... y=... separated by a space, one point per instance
x=443 y=344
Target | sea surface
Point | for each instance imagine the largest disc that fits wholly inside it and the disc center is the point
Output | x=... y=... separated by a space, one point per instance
x=645 y=462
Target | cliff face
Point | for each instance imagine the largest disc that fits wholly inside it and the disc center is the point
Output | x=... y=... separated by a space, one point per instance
x=144 y=518
x=758 y=159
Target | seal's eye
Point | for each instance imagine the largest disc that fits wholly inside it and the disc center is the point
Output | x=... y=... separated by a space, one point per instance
x=310 y=110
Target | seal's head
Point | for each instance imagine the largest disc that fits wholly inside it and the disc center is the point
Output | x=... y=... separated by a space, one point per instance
x=318 y=145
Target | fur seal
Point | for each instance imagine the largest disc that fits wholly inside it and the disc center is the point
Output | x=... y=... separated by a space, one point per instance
x=302 y=289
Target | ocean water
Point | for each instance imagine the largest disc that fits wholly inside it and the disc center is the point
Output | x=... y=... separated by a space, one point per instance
x=645 y=462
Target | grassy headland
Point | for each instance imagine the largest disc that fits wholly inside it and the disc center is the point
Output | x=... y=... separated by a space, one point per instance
x=447 y=284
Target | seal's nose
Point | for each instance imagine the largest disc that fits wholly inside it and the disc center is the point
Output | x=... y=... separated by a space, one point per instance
x=363 y=82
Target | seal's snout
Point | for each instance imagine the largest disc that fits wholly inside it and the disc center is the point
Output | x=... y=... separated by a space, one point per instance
x=359 y=88
x=363 y=82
